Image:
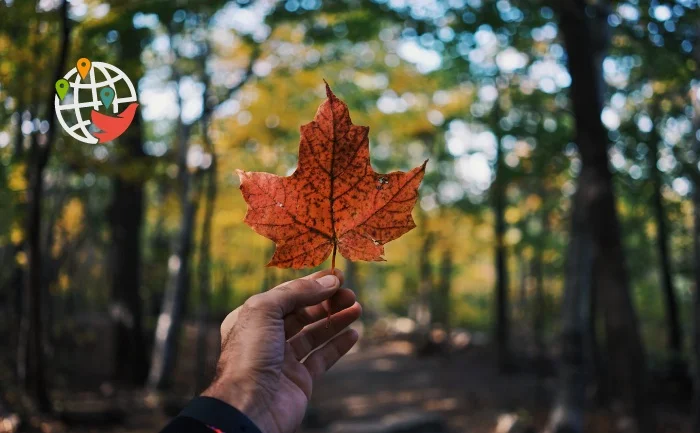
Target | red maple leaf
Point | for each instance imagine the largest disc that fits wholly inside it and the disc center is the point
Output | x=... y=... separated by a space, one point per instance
x=334 y=199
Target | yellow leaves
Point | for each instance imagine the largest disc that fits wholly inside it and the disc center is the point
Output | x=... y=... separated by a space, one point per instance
x=17 y=181
x=5 y=68
x=513 y=236
x=484 y=232
x=452 y=228
x=533 y=202
x=512 y=215
x=268 y=156
x=623 y=208
x=456 y=101
x=5 y=44
x=69 y=225
x=394 y=294
x=16 y=235
x=21 y=258
x=550 y=255
x=72 y=218
x=347 y=15
x=63 y=282
x=650 y=229
x=468 y=312
x=659 y=87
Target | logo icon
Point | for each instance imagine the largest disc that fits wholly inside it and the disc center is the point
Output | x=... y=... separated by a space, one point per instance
x=95 y=86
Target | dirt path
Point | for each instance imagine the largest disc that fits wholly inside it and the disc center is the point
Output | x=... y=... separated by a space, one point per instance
x=465 y=388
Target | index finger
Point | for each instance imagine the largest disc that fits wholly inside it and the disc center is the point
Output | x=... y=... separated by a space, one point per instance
x=296 y=294
x=316 y=275
x=233 y=315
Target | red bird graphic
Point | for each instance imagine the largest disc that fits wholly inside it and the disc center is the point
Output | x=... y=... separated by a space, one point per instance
x=112 y=126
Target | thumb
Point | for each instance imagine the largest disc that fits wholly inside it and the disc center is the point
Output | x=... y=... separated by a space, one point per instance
x=300 y=293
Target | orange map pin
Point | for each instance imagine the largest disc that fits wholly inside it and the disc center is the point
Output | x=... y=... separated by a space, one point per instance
x=83 y=66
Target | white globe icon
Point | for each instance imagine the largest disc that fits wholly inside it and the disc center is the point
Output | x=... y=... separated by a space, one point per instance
x=91 y=87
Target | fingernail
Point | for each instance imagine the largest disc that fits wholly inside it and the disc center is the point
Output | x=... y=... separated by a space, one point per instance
x=329 y=281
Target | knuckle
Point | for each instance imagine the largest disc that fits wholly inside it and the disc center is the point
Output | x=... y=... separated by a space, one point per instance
x=296 y=285
x=285 y=288
x=289 y=287
x=228 y=322
x=255 y=302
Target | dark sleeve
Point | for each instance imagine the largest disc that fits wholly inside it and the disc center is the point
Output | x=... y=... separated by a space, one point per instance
x=207 y=415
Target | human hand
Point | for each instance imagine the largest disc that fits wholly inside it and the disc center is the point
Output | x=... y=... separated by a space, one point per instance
x=266 y=369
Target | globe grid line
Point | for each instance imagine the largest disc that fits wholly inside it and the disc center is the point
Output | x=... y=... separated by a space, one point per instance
x=76 y=105
x=94 y=88
x=82 y=125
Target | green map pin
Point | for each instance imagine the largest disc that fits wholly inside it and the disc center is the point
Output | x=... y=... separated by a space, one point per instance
x=106 y=96
x=62 y=87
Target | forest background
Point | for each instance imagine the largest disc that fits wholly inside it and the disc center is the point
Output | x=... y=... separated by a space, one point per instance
x=558 y=223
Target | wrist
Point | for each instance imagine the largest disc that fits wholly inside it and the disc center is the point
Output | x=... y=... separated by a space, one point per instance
x=242 y=397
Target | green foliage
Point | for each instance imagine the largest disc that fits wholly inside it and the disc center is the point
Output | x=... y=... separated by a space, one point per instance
x=448 y=80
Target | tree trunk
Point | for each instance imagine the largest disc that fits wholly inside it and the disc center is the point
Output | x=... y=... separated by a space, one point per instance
x=674 y=336
x=204 y=275
x=696 y=269
x=30 y=359
x=597 y=356
x=425 y=284
x=523 y=270
x=125 y=219
x=568 y=413
x=443 y=290
x=696 y=296
x=175 y=298
x=537 y=270
x=31 y=350
x=423 y=311
x=502 y=325
x=178 y=285
x=160 y=245
x=586 y=34
x=204 y=269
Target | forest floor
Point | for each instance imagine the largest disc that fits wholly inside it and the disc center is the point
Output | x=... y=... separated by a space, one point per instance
x=379 y=379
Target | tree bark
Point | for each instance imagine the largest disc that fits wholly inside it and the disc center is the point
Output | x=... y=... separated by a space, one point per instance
x=204 y=268
x=425 y=284
x=126 y=220
x=568 y=413
x=178 y=285
x=443 y=289
x=537 y=270
x=674 y=335
x=696 y=298
x=204 y=275
x=30 y=359
x=696 y=267
x=31 y=350
x=599 y=369
x=502 y=325
x=586 y=35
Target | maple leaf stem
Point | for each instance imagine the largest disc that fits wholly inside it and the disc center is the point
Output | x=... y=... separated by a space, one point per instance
x=335 y=247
